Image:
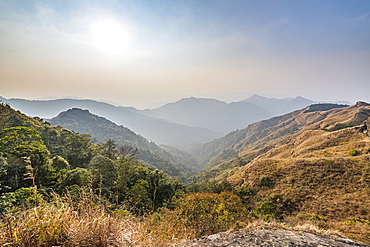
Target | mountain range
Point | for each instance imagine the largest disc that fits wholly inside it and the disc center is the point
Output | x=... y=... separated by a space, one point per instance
x=178 y=124
x=308 y=165
x=212 y=114
x=158 y=130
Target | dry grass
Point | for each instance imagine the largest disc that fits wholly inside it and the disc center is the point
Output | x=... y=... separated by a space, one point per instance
x=89 y=224
x=316 y=176
x=60 y=224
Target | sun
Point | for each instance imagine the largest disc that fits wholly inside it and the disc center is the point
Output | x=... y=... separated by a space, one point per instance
x=110 y=36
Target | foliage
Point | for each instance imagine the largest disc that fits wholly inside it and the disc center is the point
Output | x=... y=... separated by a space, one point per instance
x=22 y=197
x=75 y=165
x=266 y=210
x=24 y=142
x=115 y=138
x=201 y=214
x=323 y=107
x=60 y=163
x=352 y=152
x=22 y=147
x=78 y=150
x=244 y=193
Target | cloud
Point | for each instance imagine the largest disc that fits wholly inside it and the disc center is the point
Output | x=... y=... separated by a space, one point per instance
x=362 y=18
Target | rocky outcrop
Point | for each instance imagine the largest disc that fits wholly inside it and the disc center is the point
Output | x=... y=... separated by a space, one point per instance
x=272 y=238
x=365 y=128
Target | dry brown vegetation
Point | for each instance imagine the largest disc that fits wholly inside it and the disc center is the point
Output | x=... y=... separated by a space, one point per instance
x=307 y=166
x=310 y=171
x=64 y=222
x=316 y=175
x=60 y=223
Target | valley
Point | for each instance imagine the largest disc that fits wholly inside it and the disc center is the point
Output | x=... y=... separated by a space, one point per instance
x=308 y=165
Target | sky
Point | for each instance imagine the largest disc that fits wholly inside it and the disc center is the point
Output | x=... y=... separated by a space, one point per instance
x=145 y=53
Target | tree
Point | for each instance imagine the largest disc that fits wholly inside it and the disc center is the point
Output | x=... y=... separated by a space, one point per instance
x=104 y=174
x=22 y=147
x=110 y=149
x=79 y=150
x=60 y=163
x=79 y=176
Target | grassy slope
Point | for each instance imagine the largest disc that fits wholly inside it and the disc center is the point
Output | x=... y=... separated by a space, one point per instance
x=316 y=174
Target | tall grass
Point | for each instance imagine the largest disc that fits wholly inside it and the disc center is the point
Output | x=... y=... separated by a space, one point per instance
x=60 y=223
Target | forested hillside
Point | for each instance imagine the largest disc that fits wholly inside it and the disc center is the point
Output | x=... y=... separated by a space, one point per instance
x=55 y=159
x=103 y=130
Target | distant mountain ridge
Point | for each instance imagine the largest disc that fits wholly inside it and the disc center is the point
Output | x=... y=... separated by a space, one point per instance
x=279 y=106
x=286 y=105
x=179 y=124
x=210 y=113
x=158 y=130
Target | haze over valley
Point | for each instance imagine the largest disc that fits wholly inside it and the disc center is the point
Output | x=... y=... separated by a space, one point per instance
x=184 y=123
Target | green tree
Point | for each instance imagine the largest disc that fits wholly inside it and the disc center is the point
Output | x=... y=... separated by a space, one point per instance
x=78 y=150
x=110 y=149
x=22 y=147
x=139 y=201
x=104 y=174
x=80 y=177
x=24 y=142
x=60 y=163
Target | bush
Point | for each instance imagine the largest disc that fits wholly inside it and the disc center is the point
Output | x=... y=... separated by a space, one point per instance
x=352 y=152
x=266 y=181
x=202 y=214
x=21 y=197
x=266 y=210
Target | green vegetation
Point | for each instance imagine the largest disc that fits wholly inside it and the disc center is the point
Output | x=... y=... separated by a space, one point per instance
x=352 y=152
x=170 y=161
x=200 y=214
x=58 y=188
x=54 y=159
x=323 y=107
x=55 y=182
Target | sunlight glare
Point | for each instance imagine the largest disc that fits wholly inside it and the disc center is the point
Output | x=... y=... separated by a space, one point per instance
x=110 y=36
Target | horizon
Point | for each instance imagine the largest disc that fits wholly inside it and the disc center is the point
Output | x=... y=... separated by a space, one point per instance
x=155 y=106
x=145 y=54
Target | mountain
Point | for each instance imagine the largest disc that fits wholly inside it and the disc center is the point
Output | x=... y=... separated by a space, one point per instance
x=258 y=135
x=180 y=124
x=308 y=165
x=101 y=129
x=155 y=129
x=279 y=106
x=210 y=113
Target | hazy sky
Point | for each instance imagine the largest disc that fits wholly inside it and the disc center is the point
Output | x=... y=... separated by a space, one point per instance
x=141 y=52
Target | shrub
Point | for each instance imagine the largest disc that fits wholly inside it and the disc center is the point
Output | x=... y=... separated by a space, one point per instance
x=266 y=210
x=352 y=152
x=266 y=181
x=244 y=192
x=202 y=214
